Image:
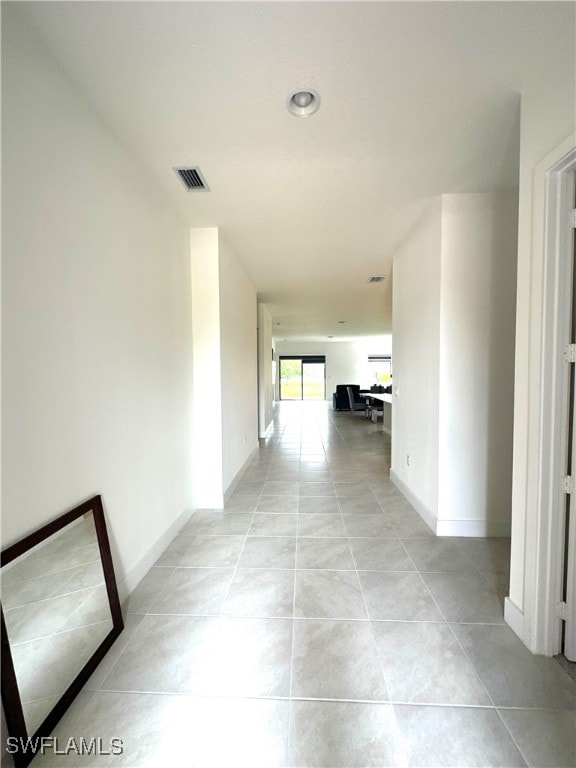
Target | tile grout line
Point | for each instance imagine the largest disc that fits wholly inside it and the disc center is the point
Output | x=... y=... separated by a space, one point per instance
x=476 y=672
x=289 y=729
x=440 y=622
x=135 y=633
x=447 y=623
x=225 y=598
x=383 y=702
x=405 y=750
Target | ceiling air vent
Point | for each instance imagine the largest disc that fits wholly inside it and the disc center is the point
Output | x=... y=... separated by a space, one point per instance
x=192 y=179
x=376 y=278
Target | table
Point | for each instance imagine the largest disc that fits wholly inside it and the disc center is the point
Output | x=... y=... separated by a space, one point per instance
x=386 y=401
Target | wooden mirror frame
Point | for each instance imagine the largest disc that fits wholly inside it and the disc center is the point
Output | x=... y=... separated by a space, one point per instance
x=11 y=699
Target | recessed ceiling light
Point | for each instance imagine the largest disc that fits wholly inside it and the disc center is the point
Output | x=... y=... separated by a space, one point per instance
x=303 y=103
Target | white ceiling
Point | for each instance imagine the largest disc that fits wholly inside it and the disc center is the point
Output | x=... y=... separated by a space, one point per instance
x=418 y=99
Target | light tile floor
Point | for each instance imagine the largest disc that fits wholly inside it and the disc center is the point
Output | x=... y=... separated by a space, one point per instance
x=317 y=622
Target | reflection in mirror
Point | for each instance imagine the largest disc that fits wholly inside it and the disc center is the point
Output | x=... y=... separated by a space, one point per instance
x=57 y=613
x=60 y=614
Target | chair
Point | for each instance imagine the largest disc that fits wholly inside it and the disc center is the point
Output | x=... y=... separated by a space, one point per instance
x=340 y=397
x=356 y=405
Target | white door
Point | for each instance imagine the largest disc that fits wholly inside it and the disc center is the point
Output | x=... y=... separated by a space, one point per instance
x=569 y=497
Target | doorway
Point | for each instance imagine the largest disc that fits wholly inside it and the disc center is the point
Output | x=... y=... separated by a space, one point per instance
x=303 y=377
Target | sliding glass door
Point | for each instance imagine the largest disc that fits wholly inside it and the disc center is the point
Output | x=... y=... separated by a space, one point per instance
x=313 y=381
x=302 y=377
x=290 y=378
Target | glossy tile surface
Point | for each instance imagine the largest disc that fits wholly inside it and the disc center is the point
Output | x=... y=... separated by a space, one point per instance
x=273 y=525
x=512 y=675
x=324 y=553
x=206 y=656
x=456 y=737
x=465 y=597
x=424 y=663
x=317 y=621
x=260 y=592
x=398 y=596
x=547 y=737
x=381 y=555
x=268 y=552
x=336 y=660
x=194 y=591
x=329 y=595
x=344 y=735
x=158 y=730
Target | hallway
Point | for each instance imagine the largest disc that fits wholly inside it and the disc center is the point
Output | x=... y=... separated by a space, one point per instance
x=318 y=622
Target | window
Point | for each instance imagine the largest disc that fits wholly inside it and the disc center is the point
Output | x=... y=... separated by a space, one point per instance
x=380 y=369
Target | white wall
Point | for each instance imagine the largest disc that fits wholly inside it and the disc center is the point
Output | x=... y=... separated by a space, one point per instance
x=416 y=329
x=239 y=365
x=96 y=326
x=346 y=361
x=547 y=121
x=265 y=378
x=225 y=367
x=207 y=390
x=477 y=320
x=454 y=302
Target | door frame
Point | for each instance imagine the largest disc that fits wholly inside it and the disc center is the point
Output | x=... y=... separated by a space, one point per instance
x=557 y=302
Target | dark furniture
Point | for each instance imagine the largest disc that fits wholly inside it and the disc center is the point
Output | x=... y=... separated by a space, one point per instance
x=340 y=397
x=356 y=402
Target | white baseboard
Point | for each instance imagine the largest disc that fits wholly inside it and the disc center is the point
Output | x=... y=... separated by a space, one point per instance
x=238 y=476
x=131 y=580
x=514 y=617
x=137 y=573
x=426 y=514
x=469 y=528
x=473 y=528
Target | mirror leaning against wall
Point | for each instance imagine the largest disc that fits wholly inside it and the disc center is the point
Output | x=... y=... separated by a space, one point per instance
x=60 y=614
